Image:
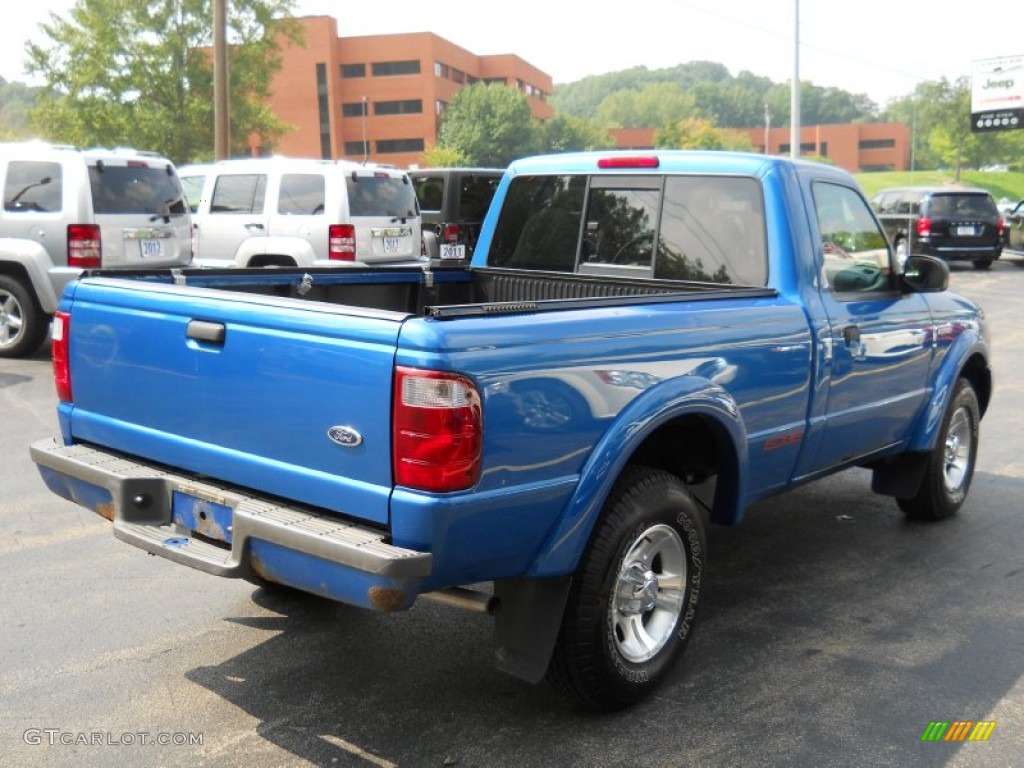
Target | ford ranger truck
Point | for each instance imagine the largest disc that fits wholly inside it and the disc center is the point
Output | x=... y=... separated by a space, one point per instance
x=643 y=343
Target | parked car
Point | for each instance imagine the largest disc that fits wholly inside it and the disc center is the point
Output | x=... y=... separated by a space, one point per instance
x=1013 y=232
x=953 y=223
x=285 y=212
x=453 y=203
x=66 y=210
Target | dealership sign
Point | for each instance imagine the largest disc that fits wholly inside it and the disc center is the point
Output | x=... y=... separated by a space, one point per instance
x=997 y=94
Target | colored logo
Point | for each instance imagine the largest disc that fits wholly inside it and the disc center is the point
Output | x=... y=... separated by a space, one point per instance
x=958 y=730
x=345 y=436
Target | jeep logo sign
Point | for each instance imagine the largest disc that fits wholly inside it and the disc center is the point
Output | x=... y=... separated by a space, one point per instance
x=997 y=94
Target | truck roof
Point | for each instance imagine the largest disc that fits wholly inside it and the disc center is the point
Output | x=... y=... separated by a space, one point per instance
x=664 y=160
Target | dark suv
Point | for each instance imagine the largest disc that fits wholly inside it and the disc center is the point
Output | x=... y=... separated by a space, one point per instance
x=453 y=203
x=952 y=223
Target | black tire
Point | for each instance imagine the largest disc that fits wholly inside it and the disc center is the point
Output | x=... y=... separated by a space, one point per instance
x=982 y=264
x=951 y=464
x=23 y=325
x=626 y=623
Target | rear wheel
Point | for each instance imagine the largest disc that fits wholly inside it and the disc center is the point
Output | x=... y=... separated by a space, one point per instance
x=982 y=264
x=951 y=464
x=632 y=603
x=23 y=325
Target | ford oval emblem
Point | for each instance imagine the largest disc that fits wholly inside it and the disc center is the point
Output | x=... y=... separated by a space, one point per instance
x=345 y=436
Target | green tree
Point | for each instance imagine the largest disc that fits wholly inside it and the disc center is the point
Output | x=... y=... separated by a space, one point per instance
x=140 y=73
x=938 y=113
x=654 y=104
x=698 y=133
x=566 y=133
x=489 y=124
x=16 y=100
x=440 y=157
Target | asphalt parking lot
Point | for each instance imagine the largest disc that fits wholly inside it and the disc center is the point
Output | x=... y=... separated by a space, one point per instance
x=832 y=632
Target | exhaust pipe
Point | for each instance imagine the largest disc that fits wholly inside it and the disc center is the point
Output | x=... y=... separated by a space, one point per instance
x=466 y=599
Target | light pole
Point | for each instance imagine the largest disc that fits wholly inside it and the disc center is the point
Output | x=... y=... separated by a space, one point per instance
x=221 y=121
x=794 y=95
x=366 y=148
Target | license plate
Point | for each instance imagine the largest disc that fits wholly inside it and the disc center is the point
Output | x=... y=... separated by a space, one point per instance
x=394 y=244
x=151 y=249
x=449 y=251
x=965 y=231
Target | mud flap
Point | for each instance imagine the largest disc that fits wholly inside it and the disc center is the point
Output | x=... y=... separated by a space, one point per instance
x=899 y=476
x=527 y=623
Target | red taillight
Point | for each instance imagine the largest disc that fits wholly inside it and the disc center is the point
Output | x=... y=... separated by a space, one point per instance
x=84 y=246
x=450 y=233
x=1001 y=226
x=437 y=431
x=341 y=242
x=59 y=354
x=924 y=227
x=628 y=161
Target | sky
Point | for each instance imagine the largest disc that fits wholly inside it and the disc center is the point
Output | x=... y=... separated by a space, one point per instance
x=881 y=48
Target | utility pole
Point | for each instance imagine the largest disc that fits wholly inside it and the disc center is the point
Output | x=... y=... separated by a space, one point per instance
x=366 y=147
x=794 y=94
x=221 y=120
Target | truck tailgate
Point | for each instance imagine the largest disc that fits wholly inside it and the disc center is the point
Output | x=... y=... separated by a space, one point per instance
x=287 y=397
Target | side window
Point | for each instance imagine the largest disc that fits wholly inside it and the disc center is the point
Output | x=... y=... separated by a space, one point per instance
x=477 y=193
x=429 y=192
x=855 y=253
x=302 y=194
x=539 y=224
x=33 y=186
x=713 y=230
x=239 y=193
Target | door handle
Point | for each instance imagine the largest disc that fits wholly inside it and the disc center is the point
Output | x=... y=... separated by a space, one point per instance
x=203 y=330
x=851 y=339
x=254 y=225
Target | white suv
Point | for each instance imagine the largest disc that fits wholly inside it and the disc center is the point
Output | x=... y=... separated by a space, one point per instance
x=283 y=212
x=66 y=210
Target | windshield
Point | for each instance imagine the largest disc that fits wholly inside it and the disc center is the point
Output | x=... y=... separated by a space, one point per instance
x=135 y=189
x=381 y=195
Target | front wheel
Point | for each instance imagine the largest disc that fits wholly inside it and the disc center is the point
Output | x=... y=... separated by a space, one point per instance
x=632 y=604
x=951 y=463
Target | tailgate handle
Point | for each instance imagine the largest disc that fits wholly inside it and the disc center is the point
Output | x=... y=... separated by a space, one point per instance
x=202 y=330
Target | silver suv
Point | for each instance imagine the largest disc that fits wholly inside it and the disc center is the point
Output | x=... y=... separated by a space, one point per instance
x=66 y=210
x=300 y=212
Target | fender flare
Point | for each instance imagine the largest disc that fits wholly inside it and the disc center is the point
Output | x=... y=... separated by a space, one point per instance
x=966 y=346
x=633 y=425
x=22 y=256
x=295 y=248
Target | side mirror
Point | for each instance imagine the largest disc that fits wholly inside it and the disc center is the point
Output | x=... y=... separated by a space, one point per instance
x=925 y=274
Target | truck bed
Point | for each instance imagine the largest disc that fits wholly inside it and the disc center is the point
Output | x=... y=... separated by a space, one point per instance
x=447 y=292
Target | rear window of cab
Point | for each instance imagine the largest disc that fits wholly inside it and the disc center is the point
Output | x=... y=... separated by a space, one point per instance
x=695 y=228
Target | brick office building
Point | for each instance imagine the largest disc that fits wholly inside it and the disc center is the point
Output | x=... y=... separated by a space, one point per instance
x=854 y=147
x=381 y=97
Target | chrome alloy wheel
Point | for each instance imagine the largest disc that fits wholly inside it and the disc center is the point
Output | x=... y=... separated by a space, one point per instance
x=11 y=320
x=957 y=450
x=648 y=594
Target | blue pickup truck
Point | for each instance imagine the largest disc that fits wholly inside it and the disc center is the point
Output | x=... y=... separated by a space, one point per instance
x=643 y=342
